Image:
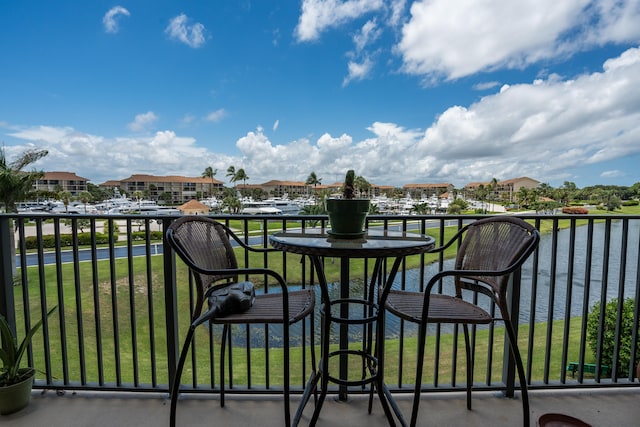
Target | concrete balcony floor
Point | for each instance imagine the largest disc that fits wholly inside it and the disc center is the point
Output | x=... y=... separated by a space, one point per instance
x=619 y=407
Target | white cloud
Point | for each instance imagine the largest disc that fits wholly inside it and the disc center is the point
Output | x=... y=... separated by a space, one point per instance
x=216 y=116
x=544 y=129
x=110 y=21
x=319 y=15
x=187 y=120
x=397 y=12
x=100 y=159
x=369 y=33
x=440 y=41
x=191 y=35
x=143 y=121
x=358 y=71
x=485 y=85
x=275 y=125
x=612 y=174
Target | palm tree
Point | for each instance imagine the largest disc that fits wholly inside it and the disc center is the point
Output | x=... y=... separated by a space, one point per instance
x=209 y=172
x=231 y=204
x=241 y=175
x=481 y=195
x=231 y=174
x=313 y=180
x=138 y=196
x=85 y=197
x=362 y=185
x=15 y=184
x=65 y=197
x=491 y=189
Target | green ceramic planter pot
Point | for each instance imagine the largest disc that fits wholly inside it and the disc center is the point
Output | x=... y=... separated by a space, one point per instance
x=16 y=396
x=347 y=217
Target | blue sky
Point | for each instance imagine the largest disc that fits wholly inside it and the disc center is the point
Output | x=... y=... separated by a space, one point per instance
x=401 y=91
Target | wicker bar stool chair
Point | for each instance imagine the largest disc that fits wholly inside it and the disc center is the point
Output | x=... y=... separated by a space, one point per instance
x=490 y=250
x=203 y=244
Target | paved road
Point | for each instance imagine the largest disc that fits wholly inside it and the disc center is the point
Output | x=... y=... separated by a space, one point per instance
x=85 y=254
x=141 y=250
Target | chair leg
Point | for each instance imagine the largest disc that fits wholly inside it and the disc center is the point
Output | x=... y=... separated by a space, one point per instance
x=469 y=364
x=513 y=345
x=314 y=362
x=287 y=409
x=223 y=343
x=175 y=385
x=422 y=337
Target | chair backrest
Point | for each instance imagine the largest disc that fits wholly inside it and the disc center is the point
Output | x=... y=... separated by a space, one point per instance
x=496 y=244
x=202 y=243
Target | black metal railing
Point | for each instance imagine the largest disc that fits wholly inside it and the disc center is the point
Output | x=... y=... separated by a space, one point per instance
x=124 y=305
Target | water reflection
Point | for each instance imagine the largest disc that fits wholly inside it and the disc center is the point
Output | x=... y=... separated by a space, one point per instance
x=566 y=282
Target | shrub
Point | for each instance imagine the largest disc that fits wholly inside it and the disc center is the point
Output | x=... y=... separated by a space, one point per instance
x=630 y=203
x=84 y=239
x=608 y=335
x=142 y=235
x=575 y=210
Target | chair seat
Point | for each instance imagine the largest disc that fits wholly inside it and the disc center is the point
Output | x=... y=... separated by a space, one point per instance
x=442 y=308
x=267 y=308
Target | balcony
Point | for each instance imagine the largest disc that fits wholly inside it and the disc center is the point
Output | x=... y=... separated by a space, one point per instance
x=111 y=348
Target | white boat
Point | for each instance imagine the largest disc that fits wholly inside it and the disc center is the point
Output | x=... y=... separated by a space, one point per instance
x=212 y=202
x=160 y=210
x=259 y=208
x=284 y=205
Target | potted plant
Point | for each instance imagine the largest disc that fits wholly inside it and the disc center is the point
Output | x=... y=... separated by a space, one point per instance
x=15 y=382
x=347 y=215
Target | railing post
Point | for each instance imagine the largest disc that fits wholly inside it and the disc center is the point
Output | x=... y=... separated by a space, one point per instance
x=7 y=252
x=171 y=304
x=508 y=361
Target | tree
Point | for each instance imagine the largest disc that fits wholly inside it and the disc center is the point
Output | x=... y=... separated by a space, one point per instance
x=362 y=185
x=98 y=193
x=231 y=204
x=491 y=190
x=317 y=209
x=614 y=311
x=313 y=180
x=85 y=197
x=481 y=194
x=608 y=200
x=522 y=197
x=65 y=197
x=138 y=196
x=421 y=208
x=166 y=197
x=209 y=172
x=231 y=174
x=17 y=185
x=457 y=206
x=241 y=175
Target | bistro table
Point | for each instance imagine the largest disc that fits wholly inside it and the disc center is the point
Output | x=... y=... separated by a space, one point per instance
x=376 y=244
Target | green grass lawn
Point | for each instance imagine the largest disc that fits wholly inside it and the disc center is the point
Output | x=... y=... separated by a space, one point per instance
x=126 y=295
x=125 y=306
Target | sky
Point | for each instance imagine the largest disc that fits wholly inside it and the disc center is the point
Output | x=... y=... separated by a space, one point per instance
x=425 y=91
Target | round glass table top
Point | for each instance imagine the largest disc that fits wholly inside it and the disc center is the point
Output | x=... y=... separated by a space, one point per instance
x=374 y=243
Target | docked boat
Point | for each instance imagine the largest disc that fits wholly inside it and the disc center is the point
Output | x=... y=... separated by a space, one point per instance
x=259 y=208
x=284 y=205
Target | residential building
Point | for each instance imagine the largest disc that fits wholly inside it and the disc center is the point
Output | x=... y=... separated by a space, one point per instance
x=55 y=182
x=277 y=188
x=504 y=190
x=170 y=189
x=427 y=190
